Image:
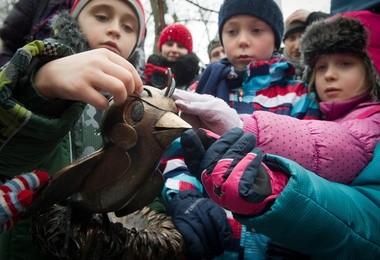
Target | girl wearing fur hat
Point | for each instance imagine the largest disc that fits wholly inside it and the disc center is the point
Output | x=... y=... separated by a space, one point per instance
x=46 y=84
x=253 y=76
x=175 y=46
x=269 y=192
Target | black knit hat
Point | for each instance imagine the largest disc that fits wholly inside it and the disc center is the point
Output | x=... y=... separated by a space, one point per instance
x=266 y=10
x=337 y=35
x=294 y=28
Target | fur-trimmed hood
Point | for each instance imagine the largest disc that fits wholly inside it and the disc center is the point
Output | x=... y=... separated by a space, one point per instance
x=337 y=35
x=67 y=31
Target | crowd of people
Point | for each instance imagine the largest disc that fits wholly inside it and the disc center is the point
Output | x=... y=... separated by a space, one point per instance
x=282 y=159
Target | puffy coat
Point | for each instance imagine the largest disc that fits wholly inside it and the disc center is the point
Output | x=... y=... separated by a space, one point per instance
x=268 y=85
x=337 y=148
x=33 y=129
x=324 y=219
x=32 y=132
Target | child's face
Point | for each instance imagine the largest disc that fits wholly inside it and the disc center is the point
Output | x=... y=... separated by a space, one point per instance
x=110 y=24
x=340 y=77
x=173 y=50
x=246 y=39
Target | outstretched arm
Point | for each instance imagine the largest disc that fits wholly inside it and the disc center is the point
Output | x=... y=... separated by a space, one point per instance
x=309 y=214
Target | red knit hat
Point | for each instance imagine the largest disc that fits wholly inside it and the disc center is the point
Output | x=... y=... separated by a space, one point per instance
x=176 y=33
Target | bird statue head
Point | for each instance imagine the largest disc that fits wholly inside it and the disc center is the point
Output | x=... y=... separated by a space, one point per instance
x=122 y=176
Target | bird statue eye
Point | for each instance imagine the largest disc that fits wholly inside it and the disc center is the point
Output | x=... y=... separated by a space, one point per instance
x=137 y=111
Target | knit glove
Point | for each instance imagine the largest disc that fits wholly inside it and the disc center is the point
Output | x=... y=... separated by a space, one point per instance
x=202 y=224
x=232 y=171
x=206 y=111
x=17 y=194
x=155 y=75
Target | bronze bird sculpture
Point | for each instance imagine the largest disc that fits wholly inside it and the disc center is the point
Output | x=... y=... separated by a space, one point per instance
x=122 y=176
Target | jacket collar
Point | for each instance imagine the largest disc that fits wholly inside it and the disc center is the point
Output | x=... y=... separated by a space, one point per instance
x=336 y=110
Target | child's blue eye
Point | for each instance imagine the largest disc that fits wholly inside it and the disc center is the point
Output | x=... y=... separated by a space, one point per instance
x=101 y=17
x=232 y=32
x=320 y=67
x=345 y=64
x=128 y=29
x=257 y=30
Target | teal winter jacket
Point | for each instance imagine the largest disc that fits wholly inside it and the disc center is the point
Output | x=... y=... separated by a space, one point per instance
x=324 y=219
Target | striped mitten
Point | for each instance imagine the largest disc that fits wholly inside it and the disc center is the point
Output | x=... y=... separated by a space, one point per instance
x=17 y=194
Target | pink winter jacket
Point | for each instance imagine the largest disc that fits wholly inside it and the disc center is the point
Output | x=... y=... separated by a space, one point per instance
x=337 y=148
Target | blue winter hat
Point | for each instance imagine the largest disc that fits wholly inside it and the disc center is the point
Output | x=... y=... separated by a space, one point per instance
x=266 y=10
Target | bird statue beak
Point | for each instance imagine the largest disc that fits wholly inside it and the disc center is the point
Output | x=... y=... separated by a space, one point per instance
x=169 y=127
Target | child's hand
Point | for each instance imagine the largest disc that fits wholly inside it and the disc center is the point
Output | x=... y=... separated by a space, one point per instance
x=17 y=194
x=206 y=111
x=83 y=76
x=232 y=170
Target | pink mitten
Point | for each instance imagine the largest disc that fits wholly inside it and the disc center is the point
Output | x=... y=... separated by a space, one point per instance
x=206 y=111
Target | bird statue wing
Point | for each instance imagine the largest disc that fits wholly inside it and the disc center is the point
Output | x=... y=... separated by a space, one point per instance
x=68 y=180
x=146 y=194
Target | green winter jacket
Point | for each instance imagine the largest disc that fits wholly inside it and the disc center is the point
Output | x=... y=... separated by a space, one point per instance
x=31 y=127
x=324 y=219
x=33 y=130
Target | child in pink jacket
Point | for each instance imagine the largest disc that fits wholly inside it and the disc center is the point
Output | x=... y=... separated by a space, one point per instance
x=346 y=85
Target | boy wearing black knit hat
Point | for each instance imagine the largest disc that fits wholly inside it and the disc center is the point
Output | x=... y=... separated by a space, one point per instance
x=253 y=76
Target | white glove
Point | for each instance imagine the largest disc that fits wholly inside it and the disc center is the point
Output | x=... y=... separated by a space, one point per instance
x=206 y=111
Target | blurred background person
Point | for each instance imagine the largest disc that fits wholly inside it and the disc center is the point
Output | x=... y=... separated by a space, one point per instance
x=215 y=50
x=292 y=46
x=175 y=46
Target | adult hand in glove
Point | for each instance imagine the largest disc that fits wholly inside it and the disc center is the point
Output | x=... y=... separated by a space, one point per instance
x=202 y=224
x=206 y=111
x=17 y=194
x=232 y=170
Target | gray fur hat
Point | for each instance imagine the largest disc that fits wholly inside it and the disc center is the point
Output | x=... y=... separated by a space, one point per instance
x=337 y=35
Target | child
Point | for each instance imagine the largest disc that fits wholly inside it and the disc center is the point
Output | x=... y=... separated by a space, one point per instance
x=42 y=93
x=347 y=86
x=253 y=76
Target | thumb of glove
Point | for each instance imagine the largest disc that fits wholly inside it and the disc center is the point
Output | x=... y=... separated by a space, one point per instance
x=194 y=145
